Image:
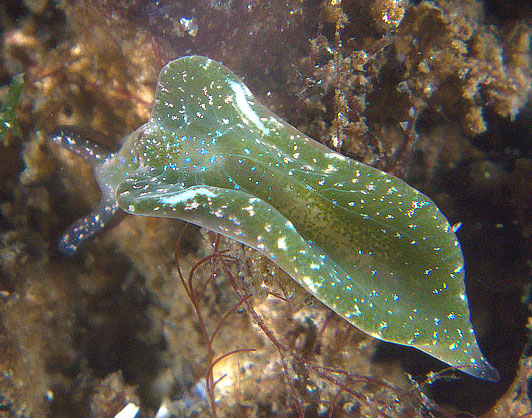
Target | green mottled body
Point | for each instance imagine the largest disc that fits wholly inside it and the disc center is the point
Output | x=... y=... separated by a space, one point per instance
x=365 y=243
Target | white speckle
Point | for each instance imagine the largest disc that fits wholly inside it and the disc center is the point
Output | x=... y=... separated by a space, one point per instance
x=331 y=169
x=356 y=310
x=189 y=194
x=250 y=209
x=281 y=243
x=240 y=93
x=332 y=155
x=192 y=206
x=310 y=284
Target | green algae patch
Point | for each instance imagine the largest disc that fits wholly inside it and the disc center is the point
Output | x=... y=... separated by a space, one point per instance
x=8 y=112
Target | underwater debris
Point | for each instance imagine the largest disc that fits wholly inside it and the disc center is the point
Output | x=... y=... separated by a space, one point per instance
x=388 y=14
x=455 y=61
x=130 y=411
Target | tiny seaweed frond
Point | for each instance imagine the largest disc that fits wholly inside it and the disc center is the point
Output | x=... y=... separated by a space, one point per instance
x=195 y=297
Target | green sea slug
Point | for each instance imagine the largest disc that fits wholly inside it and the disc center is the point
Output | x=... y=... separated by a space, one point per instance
x=366 y=244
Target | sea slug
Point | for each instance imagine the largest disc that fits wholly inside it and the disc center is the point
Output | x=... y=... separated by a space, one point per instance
x=365 y=243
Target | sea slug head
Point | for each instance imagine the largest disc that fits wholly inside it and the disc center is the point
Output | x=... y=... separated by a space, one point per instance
x=110 y=169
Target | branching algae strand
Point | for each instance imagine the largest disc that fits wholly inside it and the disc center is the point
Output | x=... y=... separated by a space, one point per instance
x=363 y=242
